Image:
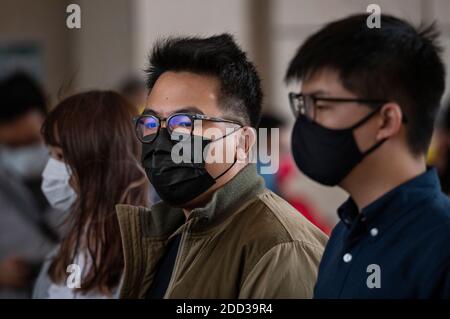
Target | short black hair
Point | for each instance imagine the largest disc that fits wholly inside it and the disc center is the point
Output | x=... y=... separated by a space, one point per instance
x=396 y=62
x=20 y=94
x=219 y=56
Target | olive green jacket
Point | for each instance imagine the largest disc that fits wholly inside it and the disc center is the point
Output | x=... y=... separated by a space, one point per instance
x=245 y=243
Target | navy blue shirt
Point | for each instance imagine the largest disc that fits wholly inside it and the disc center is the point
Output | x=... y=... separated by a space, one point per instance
x=397 y=247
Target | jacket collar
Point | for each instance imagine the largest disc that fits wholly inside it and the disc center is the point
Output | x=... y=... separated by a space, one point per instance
x=166 y=220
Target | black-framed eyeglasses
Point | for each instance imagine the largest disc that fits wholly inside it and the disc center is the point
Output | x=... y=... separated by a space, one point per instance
x=147 y=126
x=306 y=104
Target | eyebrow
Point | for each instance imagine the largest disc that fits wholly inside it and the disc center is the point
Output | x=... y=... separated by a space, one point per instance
x=186 y=109
x=149 y=112
x=189 y=109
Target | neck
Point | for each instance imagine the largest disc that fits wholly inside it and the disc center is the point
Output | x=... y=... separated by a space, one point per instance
x=204 y=198
x=374 y=177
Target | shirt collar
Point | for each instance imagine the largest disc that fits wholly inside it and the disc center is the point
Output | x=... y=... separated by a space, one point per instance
x=393 y=204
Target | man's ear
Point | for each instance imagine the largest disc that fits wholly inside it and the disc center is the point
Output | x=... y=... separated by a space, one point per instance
x=391 y=120
x=247 y=140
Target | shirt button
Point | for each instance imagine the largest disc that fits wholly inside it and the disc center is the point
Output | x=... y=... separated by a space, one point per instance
x=374 y=232
x=347 y=257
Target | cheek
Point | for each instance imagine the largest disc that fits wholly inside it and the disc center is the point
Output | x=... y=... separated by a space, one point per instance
x=208 y=130
x=220 y=155
x=222 y=149
x=335 y=117
x=327 y=119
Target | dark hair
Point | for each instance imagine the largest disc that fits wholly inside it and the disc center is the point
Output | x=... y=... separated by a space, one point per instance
x=20 y=94
x=218 y=56
x=395 y=62
x=96 y=135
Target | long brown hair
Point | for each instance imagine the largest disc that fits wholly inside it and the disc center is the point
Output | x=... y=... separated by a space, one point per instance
x=96 y=134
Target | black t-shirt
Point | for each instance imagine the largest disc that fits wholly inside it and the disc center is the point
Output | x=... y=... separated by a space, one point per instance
x=165 y=269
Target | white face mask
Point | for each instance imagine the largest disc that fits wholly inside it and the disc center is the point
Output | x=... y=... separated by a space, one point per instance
x=55 y=185
x=26 y=162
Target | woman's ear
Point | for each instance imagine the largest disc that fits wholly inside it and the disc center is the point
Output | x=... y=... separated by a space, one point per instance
x=391 y=119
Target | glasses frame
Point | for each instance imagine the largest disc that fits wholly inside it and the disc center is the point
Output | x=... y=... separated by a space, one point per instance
x=192 y=116
x=293 y=97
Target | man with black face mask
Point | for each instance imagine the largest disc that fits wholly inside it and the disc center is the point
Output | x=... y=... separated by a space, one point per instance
x=364 y=120
x=217 y=233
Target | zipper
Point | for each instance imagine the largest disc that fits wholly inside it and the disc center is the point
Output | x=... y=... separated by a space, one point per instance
x=177 y=261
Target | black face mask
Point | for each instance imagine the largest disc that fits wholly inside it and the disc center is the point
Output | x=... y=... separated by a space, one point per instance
x=327 y=155
x=175 y=183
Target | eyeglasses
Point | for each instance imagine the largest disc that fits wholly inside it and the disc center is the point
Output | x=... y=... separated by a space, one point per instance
x=147 y=126
x=305 y=104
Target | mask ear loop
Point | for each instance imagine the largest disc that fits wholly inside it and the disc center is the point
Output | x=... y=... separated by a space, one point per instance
x=235 y=160
x=374 y=147
x=364 y=120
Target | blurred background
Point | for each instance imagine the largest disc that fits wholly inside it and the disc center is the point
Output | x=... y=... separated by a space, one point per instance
x=109 y=51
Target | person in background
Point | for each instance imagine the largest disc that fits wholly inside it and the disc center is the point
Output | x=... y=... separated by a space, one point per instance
x=269 y=122
x=287 y=177
x=26 y=233
x=281 y=182
x=135 y=91
x=364 y=120
x=441 y=147
x=93 y=166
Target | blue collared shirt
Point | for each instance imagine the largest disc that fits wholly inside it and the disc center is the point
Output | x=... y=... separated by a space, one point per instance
x=397 y=247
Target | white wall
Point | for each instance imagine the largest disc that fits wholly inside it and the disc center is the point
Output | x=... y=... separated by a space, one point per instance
x=41 y=22
x=155 y=19
x=103 y=45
